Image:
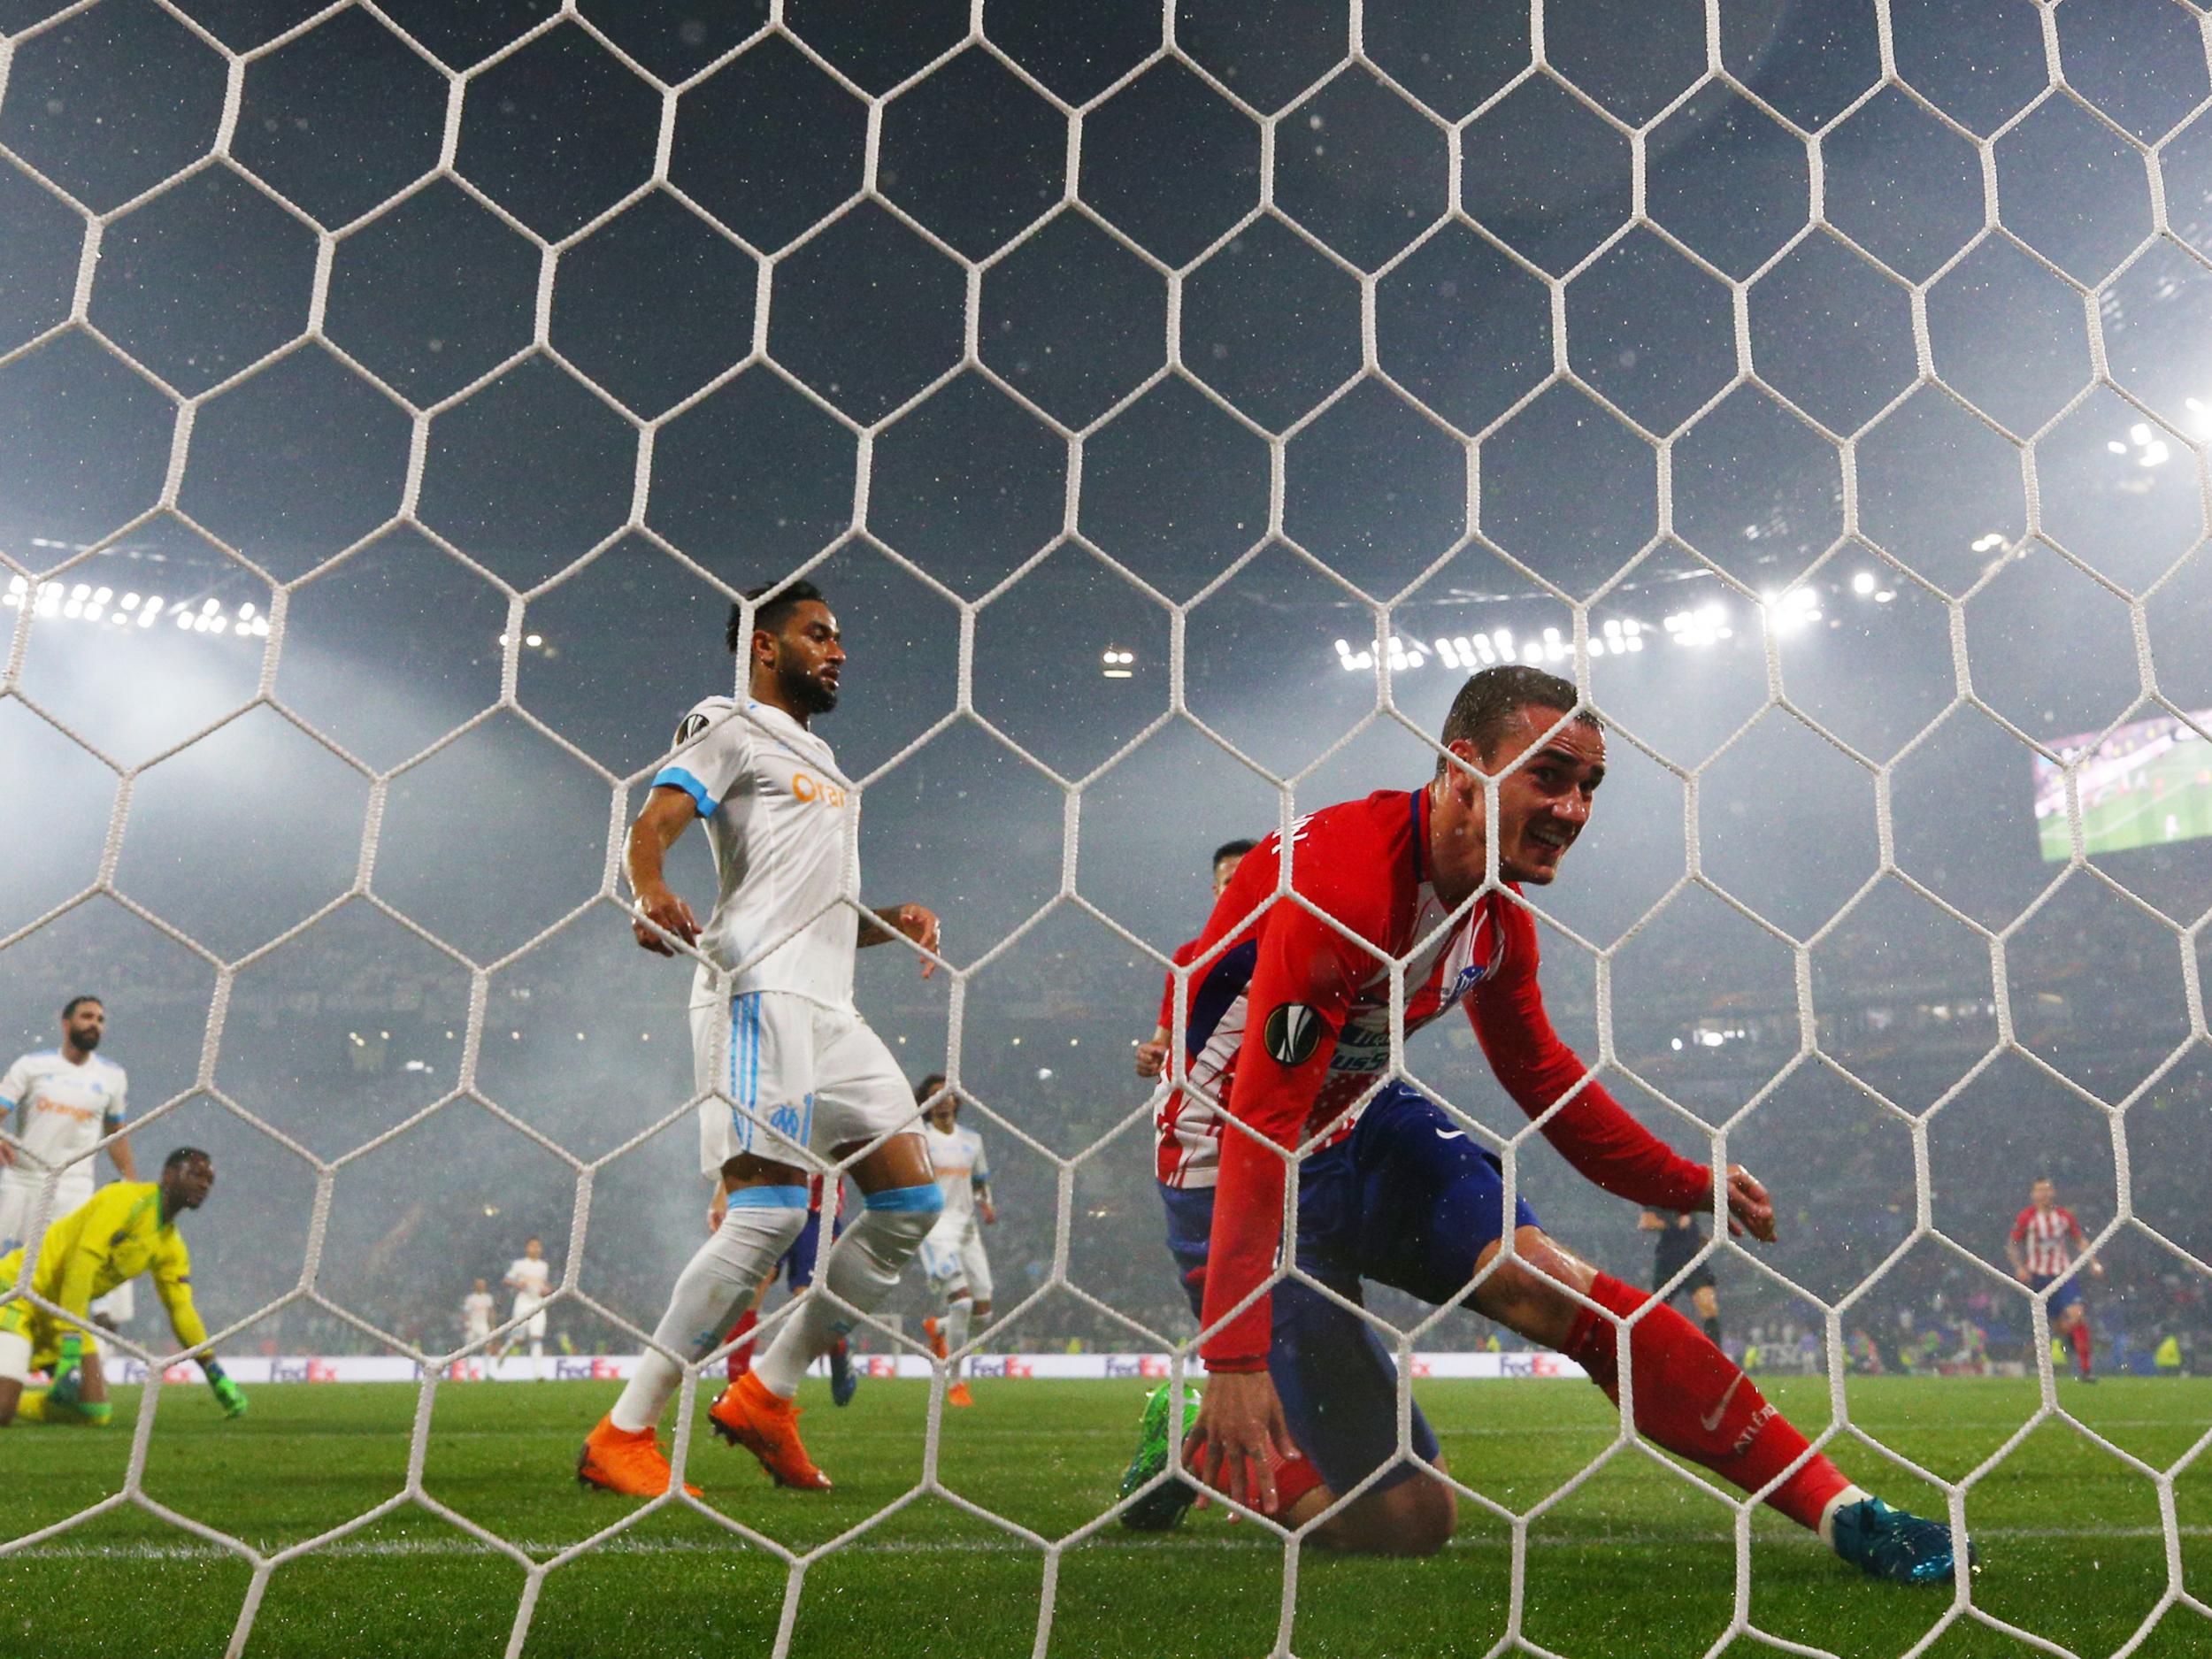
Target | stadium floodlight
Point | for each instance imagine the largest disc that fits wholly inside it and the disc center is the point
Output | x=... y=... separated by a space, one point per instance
x=1862 y=583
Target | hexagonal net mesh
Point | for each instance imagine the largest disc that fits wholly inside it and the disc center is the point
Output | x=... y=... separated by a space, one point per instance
x=1341 y=231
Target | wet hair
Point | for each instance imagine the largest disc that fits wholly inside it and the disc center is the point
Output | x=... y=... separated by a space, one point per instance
x=1231 y=849
x=76 y=1003
x=1487 y=703
x=183 y=1156
x=771 y=613
x=928 y=1086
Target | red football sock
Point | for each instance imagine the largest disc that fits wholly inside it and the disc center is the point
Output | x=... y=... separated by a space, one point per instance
x=2080 y=1336
x=1295 y=1477
x=1695 y=1401
x=741 y=1359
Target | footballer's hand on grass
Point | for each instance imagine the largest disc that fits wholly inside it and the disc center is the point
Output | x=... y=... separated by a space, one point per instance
x=659 y=912
x=1239 y=1437
x=1749 y=1208
x=1151 y=1057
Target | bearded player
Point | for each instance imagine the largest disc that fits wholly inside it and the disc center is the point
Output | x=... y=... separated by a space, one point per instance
x=128 y=1228
x=1291 y=1025
x=59 y=1104
x=791 y=1073
x=2045 y=1242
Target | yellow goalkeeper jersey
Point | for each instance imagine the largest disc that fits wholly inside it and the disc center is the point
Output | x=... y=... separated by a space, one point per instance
x=115 y=1235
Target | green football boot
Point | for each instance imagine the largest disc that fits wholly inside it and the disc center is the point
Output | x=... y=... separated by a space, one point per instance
x=1163 y=1506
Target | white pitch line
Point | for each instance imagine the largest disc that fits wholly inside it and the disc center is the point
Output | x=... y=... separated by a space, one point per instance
x=377 y=1549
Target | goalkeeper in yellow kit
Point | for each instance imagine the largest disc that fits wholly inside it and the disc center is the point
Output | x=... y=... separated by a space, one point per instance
x=124 y=1230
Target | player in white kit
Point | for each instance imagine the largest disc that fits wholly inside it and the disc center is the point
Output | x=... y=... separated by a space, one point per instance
x=791 y=1074
x=953 y=1255
x=530 y=1276
x=476 y=1313
x=59 y=1104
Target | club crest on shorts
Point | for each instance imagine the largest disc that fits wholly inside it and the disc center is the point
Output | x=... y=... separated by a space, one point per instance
x=694 y=723
x=1291 y=1033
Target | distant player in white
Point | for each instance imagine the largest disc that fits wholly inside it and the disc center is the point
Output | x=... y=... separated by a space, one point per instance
x=953 y=1255
x=790 y=1071
x=476 y=1313
x=530 y=1276
x=58 y=1103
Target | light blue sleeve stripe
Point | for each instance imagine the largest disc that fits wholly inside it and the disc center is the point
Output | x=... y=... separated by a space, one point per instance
x=923 y=1197
x=769 y=1198
x=677 y=777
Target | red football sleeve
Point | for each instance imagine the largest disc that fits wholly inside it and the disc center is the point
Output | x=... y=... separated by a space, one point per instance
x=1305 y=963
x=2020 y=1224
x=1592 y=1131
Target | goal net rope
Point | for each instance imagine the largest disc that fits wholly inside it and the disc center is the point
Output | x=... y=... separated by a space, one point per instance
x=1286 y=125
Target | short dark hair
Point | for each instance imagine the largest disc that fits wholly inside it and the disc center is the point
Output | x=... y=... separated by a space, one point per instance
x=928 y=1086
x=1487 y=703
x=771 y=614
x=183 y=1156
x=76 y=1003
x=1231 y=849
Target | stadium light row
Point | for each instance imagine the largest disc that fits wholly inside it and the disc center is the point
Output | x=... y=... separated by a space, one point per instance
x=84 y=602
x=1697 y=627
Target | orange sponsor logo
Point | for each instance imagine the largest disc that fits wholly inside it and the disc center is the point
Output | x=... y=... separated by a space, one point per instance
x=806 y=786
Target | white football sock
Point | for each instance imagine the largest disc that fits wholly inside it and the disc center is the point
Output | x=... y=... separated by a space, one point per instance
x=958 y=1319
x=760 y=1226
x=863 y=1268
x=1849 y=1494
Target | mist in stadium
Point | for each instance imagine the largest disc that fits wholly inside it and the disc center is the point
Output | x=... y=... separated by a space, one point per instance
x=1174 y=413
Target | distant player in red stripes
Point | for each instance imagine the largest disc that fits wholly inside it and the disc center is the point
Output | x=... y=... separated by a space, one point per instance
x=2046 y=1242
x=1290 y=1022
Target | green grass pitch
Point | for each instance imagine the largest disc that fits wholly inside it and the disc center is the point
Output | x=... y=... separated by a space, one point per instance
x=1636 y=1564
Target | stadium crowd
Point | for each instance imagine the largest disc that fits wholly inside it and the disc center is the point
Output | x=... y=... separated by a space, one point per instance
x=349 y=1042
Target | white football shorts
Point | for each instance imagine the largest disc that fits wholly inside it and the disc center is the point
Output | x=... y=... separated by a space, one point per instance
x=953 y=1257
x=531 y=1311
x=20 y=1197
x=788 y=1073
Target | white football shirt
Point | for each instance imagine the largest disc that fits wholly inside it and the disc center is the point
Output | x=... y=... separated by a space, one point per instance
x=960 y=1164
x=476 y=1309
x=530 y=1277
x=58 y=1110
x=780 y=818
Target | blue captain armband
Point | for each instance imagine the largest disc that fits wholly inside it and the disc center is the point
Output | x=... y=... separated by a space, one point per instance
x=677 y=777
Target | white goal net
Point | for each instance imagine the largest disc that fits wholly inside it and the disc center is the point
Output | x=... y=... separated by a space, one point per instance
x=1176 y=404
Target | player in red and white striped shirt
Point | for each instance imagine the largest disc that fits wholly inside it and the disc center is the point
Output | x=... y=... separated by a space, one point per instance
x=2046 y=1240
x=1189 y=1131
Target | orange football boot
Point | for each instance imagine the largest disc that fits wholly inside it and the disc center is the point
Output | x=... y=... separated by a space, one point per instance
x=958 y=1395
x=631 y=1465
x=748 y=1414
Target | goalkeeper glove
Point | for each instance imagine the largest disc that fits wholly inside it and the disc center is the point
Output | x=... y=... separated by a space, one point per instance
x=67 y=1382
x=228 y=1395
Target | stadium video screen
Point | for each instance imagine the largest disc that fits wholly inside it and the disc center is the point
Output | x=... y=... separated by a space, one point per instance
x=2149 y=783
